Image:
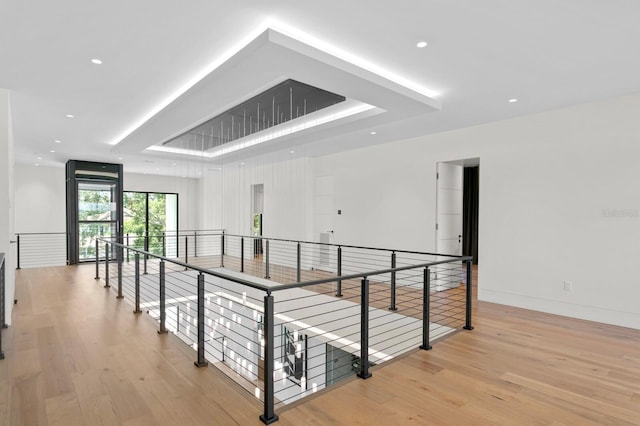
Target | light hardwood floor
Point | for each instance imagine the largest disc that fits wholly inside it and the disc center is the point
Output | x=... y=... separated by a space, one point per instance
x=76 y=355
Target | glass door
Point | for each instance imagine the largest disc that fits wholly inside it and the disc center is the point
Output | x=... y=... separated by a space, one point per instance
x=97 y=216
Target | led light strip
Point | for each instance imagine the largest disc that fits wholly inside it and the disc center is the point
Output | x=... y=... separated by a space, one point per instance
x=290 y=32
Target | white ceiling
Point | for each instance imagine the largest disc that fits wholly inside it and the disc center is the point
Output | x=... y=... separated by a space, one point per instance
x=545 y=53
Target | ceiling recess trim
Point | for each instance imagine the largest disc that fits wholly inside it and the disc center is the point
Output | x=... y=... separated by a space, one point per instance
x=274 y=57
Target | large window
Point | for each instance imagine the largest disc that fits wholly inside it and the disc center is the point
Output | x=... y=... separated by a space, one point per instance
x=151 y=222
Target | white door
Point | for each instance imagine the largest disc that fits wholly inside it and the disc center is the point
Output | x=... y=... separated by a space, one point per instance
x=450 y=189
x=450 y=181
x=324 y=211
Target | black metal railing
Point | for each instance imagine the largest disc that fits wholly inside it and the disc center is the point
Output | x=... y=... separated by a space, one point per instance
x=38 y=249
x=2 y=300
x=353 y=306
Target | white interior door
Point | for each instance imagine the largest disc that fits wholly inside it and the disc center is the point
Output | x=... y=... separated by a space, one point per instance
x=450 y=181
x=324 y=211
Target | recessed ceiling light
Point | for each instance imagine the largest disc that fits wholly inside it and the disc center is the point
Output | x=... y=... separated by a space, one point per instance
x=292 y=152
x=37 y=164
x=53 y=150
x=57 y=141
x=175 y=164
x=119 y=158
x=242 y=164
x=421 y=44
x=39 y=158
x=96 y=61
x=70 y=115
x=513 y=100
x=374 y=133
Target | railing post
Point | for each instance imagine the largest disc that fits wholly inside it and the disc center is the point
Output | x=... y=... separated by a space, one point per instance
x=136 y=258
x=195 y=243
x=266 y=259
x=269 y=415
x=426 y=309
x=241 y=254
x=298 y=264
x=18 y=251
x=2 y=302
x=201 y=362
x=106 y=265
x=128 y=247
x=163 y=312
x=119 y=257
x=339 y=289
x=468 y=325
x=97 y=259
x=186 y=249
x=222 y=251
x=364 y=330
x=393 y=306
x=164 y=244
x=146 y=249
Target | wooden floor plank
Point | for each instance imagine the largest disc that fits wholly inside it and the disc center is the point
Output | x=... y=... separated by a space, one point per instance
x=76 y=355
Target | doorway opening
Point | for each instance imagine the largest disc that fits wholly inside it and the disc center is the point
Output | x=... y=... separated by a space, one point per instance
x=94 y=207
x=257 y=224
x=457 y=201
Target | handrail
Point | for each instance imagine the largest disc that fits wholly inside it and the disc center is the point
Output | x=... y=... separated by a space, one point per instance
x=367 y=274
x=40 y=233
x=270 y=289
x=203 y=233
x=189 y=266
x=345 y=246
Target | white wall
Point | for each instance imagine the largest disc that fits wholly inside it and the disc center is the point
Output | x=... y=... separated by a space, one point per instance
x=226 y=197
x=7 y=192
x=40 y=199
x=559 y=200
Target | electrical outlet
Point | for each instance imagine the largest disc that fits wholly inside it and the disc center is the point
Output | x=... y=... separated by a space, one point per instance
x=568 y=286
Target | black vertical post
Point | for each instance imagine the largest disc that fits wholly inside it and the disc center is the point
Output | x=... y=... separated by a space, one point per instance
x=186 y=249
x=269 y=415
x=106 y=266
x=201 y=362
x=163 y=312
x=222 y=251
x=241 y=254
x=468 y=325
x=364 y=330
x=339 y=290
x=393 y=306
x=266 y=260
x=136 y=258
x=298 y=264
x=119 y=256
x=164 y=244
x=128 y=247
x=426 y=309
x=97 y=259
x=146 y=240
x=2 y=302
x=18 y=251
